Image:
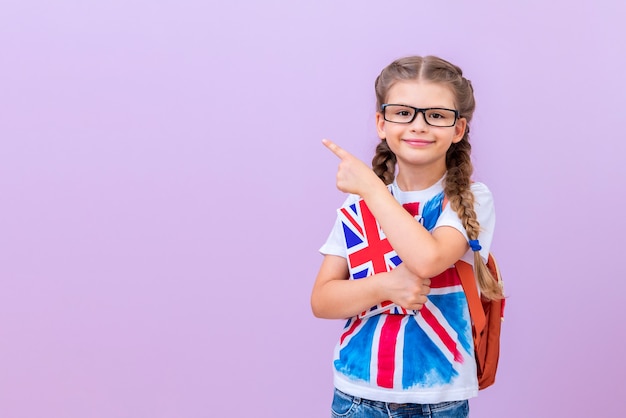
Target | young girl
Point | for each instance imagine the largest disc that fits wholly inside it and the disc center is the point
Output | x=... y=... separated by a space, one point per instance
x=407 y=349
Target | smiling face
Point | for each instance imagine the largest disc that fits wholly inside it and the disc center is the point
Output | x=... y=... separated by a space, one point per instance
x=420 y=148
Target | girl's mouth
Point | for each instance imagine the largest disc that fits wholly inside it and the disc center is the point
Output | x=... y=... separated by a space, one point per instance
x=417 y=142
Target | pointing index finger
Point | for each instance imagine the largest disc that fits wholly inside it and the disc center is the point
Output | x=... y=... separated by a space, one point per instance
x=335 y=149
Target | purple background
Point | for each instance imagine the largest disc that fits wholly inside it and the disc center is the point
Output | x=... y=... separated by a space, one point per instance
x=164 y=193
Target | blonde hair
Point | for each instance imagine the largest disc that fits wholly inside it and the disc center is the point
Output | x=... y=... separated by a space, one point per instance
x=457 y=183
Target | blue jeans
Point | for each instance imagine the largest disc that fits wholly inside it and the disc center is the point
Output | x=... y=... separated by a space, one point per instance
x=347 y=406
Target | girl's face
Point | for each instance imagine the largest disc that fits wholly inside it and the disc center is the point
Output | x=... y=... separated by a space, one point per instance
x=418 y=145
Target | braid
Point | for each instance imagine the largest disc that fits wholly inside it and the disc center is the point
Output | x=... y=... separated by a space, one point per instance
x=457 y=187
x=384 y=162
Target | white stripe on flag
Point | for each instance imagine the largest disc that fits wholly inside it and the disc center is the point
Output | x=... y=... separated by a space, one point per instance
x=433 y=335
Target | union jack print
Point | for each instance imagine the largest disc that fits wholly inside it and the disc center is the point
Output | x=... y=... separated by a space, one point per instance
x=369 y=251
x=433 y=342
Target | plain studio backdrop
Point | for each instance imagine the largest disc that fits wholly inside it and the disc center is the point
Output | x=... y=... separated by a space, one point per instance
x=164 y=193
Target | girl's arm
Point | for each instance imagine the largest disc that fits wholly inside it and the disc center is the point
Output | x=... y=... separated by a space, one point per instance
x=436 y=252
x=336 y=297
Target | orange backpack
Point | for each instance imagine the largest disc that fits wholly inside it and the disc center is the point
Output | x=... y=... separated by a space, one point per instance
x=487 y=317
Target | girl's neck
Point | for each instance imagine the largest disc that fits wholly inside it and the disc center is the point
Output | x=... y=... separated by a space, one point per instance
x=414 y=179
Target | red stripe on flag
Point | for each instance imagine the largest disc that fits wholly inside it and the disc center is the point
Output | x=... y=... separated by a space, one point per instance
x=376 y=247
x=442 y=333
x=350 y=330
x=413 y=208
x=448 y=278
x=352 y=221
x=387 y=350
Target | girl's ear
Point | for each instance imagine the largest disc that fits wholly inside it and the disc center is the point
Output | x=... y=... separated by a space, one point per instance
x=459 y=130
x=380 y=125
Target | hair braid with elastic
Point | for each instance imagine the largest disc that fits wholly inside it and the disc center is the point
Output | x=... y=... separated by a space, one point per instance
x=457 y=187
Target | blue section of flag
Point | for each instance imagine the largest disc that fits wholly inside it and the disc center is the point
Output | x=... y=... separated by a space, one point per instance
x=360 y=274
x=431 y=211
x=352 y=239
x=453 y=306
x=354 y=358
x=396 y=260
x=429 y=367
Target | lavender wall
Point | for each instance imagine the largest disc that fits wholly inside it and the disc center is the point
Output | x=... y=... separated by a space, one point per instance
x=164 y=192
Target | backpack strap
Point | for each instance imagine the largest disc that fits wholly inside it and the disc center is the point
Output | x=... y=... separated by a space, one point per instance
x=468 y=281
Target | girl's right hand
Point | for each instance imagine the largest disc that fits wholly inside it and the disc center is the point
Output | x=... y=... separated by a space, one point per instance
x=406 y=289
x=353 y=176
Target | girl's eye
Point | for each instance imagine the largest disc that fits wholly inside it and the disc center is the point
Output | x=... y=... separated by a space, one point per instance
x=440 y=115
x=399 y=113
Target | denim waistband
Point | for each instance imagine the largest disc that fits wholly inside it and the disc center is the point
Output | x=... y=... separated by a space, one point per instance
x=391 y=407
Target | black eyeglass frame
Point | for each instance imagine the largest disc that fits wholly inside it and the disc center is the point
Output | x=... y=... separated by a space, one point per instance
x=419 y=110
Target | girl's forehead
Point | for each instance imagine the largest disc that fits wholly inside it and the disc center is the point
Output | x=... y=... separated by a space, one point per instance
x=421 y=94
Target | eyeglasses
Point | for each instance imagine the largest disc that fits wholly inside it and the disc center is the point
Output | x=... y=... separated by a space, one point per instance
x=433 y=116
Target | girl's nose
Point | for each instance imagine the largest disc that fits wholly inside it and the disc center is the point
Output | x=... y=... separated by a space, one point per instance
x=419 y=123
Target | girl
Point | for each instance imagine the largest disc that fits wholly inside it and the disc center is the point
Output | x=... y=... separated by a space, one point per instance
x=407 y=349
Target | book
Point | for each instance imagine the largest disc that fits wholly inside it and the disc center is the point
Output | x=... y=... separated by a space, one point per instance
x=368 y=252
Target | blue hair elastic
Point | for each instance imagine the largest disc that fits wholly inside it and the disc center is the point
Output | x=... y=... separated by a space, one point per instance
x=474 y=245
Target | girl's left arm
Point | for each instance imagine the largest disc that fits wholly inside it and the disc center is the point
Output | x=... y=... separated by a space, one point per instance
x=437 y=251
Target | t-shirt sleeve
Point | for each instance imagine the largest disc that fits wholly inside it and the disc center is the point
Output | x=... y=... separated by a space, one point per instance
x=336 y=244
x=486 y=215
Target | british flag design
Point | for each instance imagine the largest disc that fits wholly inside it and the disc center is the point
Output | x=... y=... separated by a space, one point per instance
x=368 y=251
x=388 y=346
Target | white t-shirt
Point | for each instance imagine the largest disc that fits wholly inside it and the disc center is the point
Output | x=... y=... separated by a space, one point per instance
x=423 y=358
